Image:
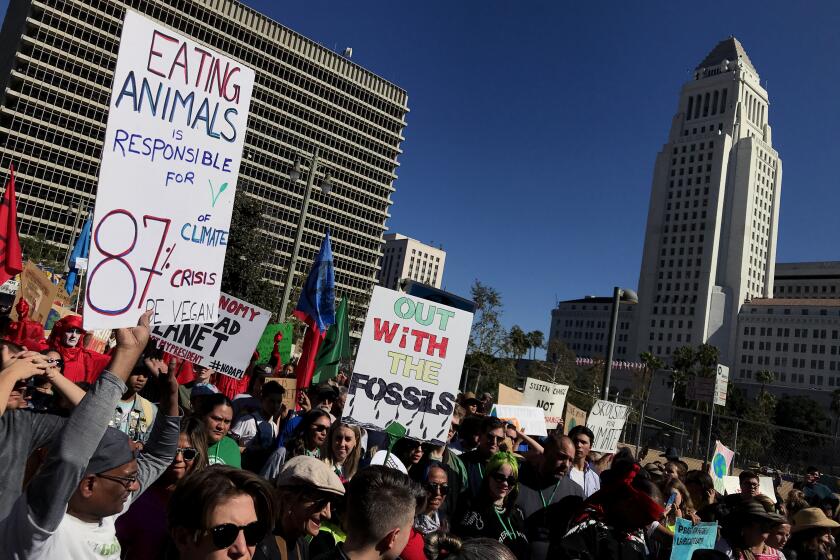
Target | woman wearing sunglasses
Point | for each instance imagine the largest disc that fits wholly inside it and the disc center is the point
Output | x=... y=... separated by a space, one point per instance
x=142 y=530
x=437 y=488
x=218 y=513
x=493 y=512
x=306 y=490
x=309 y=439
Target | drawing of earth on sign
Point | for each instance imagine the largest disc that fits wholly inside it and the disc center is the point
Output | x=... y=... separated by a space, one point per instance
x=719 y=465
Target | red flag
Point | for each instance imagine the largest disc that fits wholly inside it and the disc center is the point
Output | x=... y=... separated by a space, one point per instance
x=306 y=364
x=11 y=263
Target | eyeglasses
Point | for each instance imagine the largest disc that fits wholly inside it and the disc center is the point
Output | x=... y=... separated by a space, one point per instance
x=320 y=428
x=499 y=477
x=58 y=362
x=126 y=481
x=189 y=453
x=495 y=439
x=225 y=534
x=434 y=488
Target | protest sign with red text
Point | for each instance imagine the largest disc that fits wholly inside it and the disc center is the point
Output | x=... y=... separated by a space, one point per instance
x=170 y=161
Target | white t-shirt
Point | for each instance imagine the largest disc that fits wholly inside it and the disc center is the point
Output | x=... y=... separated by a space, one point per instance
x=256 y=430
x=73 y=538
x=586 y=479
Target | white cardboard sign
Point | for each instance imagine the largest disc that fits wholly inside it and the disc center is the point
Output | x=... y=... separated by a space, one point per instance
x=550 y=397
x=408 y=365
x=606 y=420
x=530 y=418
x=732 y=485
x=170 y=161
x=225 y=345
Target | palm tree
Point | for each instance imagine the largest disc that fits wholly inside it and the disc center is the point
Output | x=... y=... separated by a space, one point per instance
x=518 y=342
x=536 y=339
x=652 y=364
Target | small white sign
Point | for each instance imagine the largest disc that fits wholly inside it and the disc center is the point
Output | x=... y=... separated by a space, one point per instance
x=530 y=418
x=606 y=420
x=81 y=263
x=765 y=486
x=9 y=287
x=721 y=382
x=550 y=397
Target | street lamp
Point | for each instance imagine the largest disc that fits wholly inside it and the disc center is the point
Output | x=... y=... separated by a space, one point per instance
x=619 y=295
x=326 y=186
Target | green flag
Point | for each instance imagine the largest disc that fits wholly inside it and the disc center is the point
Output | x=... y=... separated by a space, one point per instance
x=334 y=348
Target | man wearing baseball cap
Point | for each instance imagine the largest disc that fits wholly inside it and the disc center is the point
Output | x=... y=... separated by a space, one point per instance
x=91 y=474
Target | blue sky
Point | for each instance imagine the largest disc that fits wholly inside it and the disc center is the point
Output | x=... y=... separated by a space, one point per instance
x=534 y=126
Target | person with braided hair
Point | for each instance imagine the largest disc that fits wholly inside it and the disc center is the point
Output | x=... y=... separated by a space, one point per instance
x=442 y=545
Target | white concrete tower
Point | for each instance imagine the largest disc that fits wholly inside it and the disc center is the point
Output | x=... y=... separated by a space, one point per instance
x=710 y=243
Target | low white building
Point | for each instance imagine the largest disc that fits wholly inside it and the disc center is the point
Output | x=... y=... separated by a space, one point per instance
x=808 y=280
x=798 y=340
x=404 y=257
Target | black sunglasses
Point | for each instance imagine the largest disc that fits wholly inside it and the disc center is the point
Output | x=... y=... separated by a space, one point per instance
x=225 y=534
x=499 y=477
x=320 y=428
x=189 y=453
x=434 y=488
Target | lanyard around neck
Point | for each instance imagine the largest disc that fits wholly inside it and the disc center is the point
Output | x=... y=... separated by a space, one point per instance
x=511 y=534
x=553 y=492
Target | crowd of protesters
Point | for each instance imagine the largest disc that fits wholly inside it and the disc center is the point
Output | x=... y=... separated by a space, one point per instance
x=134 y=454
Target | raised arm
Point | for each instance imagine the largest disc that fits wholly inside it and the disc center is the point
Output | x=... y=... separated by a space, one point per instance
x=159 y=450
x=50 y=491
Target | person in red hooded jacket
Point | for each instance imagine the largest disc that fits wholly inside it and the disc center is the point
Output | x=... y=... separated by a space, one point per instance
x=80 y=363
x=26 y=332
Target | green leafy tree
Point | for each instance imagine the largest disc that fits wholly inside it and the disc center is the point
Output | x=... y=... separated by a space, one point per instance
x=243 y=274
x=38 y=249
x=559 y=366
x=489 y=342
x=801 y=413
x=764 y=377
x=835 y=409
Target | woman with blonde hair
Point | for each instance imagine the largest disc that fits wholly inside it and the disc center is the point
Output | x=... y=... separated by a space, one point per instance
x=343 y=450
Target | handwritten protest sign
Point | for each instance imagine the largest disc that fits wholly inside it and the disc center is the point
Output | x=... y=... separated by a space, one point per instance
x=408 y=365
x=719 y=467
x=225 y=345
x=290 y=385
x=550 y=397
x=509 y=395
x=530 y=418
x=170 y=161
x=38 y=290
x=689 y=537
x=606 y=420
x=574 y=417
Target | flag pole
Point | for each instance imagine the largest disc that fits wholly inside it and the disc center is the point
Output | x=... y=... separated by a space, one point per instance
x=81 y=285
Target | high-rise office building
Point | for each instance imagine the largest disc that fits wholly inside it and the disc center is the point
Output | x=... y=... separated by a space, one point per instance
x=56 y=69
x=404 y=257
x=710 y=242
